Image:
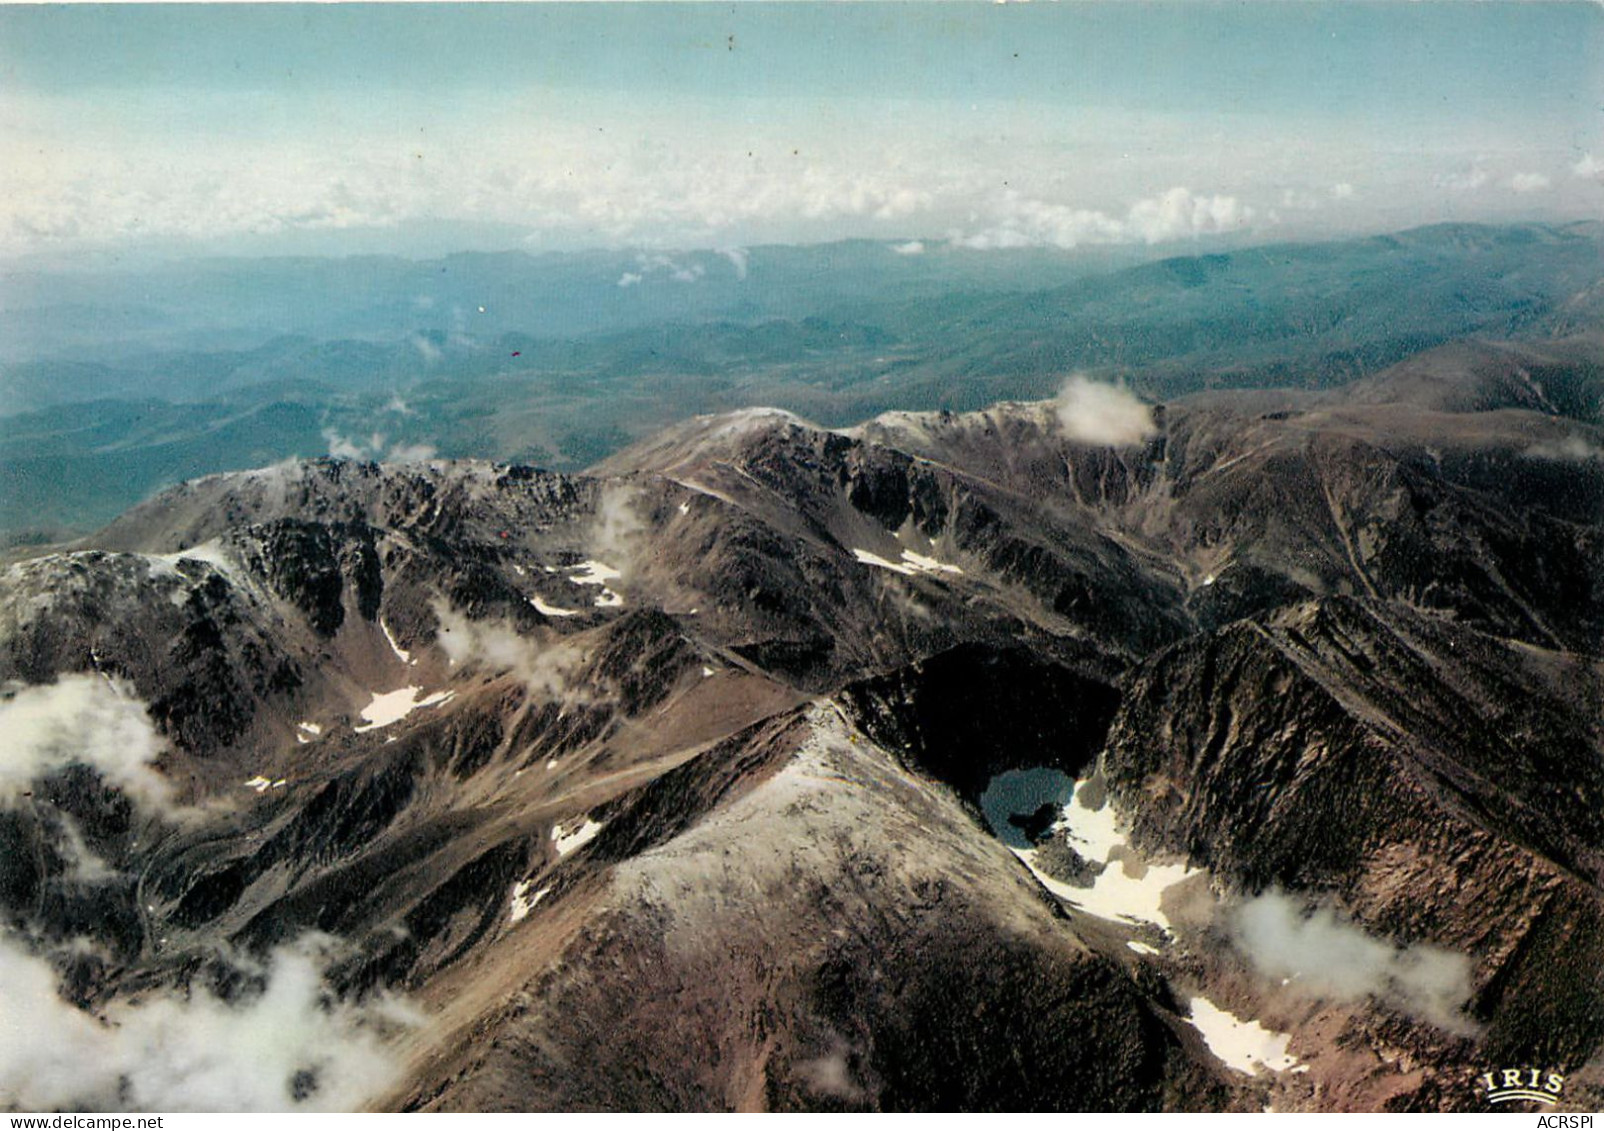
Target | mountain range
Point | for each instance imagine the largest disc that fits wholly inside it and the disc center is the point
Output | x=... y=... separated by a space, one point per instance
x=1236 y=745
x=118 y=381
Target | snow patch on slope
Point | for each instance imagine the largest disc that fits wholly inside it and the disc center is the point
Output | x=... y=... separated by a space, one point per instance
x=392 y=706
x=910 y=564
x=401 y=654
x=1245 y=1046
x=573 y=835
x=523 y=902
x=594 y=573
x=551 y=610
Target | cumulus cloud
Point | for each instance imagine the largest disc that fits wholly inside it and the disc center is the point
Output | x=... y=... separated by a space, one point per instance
x=1342 y=190
x=287 y=1047
x=1035 y=223
x=1173 y=215
x=81 y=719
x=1528 y=182
x=548 y=667
x=1093 y=412
x=1327 y=956
x=911 y=247
x=1588 y=166
x=1178 y=214
x=377 y=446
x=1462 y=180
x=621 y=174
x=647 y=266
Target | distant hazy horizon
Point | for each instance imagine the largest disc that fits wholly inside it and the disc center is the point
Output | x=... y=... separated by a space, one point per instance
x=422 y=129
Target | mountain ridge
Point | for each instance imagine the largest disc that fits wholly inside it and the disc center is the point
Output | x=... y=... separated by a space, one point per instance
x=661 y=786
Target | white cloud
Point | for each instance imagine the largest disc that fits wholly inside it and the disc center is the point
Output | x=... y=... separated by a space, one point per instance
x=411 y=453
x=548 y=667
x=81 y=719
x=1529 y=182
x=1034 y=223
x=1178 y=214
x=1092 y=412
x=1326 y=956
x=343 y=447
x=375 y=446
x=1173 y=215
x=831 y=1074
x=612 y=172
x=911 y=247
x=1573 y=448
x=426 y=349
x=1589 y=167
x=618 y=534
x=283 y=1049
x=661 y=265
x=1463 y=180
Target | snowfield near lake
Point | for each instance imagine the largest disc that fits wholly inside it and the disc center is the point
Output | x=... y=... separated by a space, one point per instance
x=1128 y=889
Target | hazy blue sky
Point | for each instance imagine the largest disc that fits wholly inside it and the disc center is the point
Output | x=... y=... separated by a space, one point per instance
x=418 y=127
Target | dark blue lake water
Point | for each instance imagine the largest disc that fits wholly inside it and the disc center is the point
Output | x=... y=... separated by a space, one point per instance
x=1020 y=793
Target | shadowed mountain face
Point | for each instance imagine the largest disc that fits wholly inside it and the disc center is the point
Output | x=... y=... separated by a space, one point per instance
x=658 y=787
